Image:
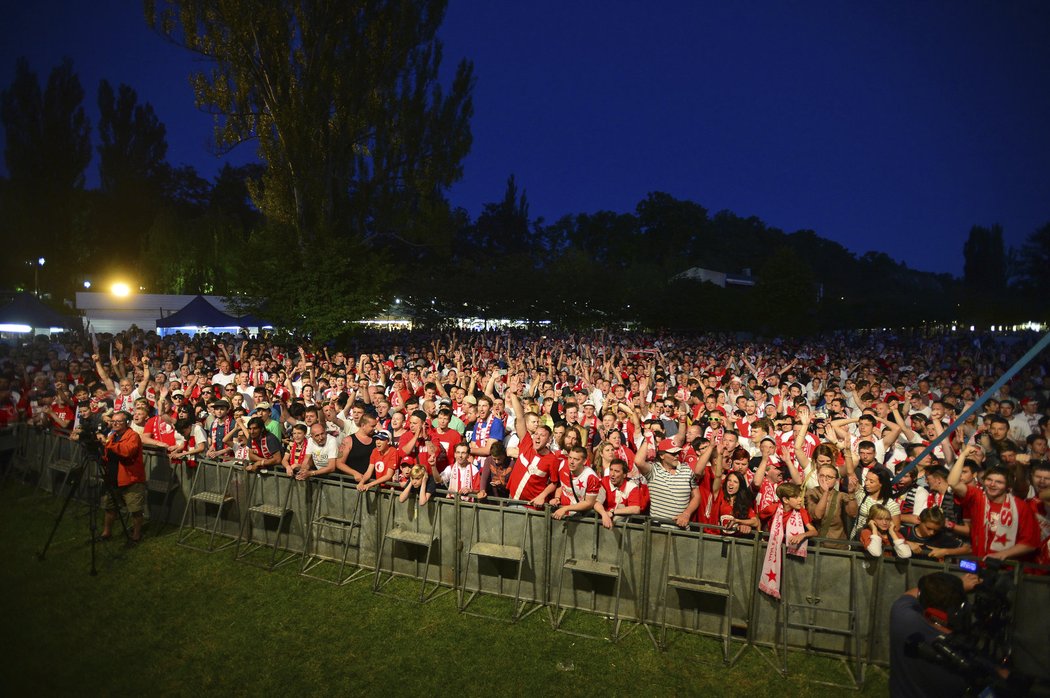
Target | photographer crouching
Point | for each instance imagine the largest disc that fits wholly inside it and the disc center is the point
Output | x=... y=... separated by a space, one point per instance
x=125 y=475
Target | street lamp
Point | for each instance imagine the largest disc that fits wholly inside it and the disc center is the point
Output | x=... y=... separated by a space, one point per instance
x=36 y=275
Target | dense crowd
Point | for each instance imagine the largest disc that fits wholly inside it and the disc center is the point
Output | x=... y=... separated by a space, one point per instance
x=798 y=439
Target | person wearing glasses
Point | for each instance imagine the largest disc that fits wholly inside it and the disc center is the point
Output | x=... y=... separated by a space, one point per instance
x=125 y=475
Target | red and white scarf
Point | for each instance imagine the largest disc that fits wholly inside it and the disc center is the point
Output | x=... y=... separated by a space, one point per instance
x=769 y=582
x=767 y=494
x=123 y=403
x=297 y=453
x=462 y=479
x=261 y=448
x=218 y=435
x=1001 y=527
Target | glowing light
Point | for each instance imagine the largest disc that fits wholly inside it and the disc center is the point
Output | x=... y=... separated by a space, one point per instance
x=121 y=290
x=15 y=328
x=41 y=261
x=87 y=284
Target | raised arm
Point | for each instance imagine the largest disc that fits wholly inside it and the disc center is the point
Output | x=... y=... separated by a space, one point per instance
x=955 y=474
x=103 y=374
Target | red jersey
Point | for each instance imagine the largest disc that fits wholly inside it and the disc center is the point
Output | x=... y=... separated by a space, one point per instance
x=576 y=488
x=65 y=412
x=384 y=462
x=447 y=441
x=159 y=430
x=532 y=472
x=628 y=494
x=993 y=526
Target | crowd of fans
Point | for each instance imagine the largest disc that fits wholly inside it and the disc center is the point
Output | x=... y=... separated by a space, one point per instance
x=710 y=431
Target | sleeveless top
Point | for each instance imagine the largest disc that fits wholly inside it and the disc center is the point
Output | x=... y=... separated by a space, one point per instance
x=360 y=455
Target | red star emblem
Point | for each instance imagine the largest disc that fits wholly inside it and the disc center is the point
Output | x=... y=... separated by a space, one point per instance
x=771 y=575
x=1000 y=539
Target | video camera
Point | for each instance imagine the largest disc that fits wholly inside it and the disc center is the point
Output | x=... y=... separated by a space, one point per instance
x=978 y=648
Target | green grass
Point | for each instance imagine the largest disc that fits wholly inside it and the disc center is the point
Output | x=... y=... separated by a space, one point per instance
x=164 y=620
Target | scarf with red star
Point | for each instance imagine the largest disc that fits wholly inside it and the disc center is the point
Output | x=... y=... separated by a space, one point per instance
x=785 y=525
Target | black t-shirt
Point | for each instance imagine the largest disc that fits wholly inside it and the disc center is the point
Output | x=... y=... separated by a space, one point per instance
x=912 y=676
x=942 y=539
x=413 y=491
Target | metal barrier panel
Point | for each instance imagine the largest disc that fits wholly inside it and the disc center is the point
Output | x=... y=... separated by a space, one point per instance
x=709 y=562
x=890 y=578
x=8 y=439
x=579 y=541
x=407 y=560
x=504 y=523
x=823 y=599
x=275 y=509
x=36 y=446
x=1030 y=634
x=218 y=477
x=165 y=501
x=334 y=498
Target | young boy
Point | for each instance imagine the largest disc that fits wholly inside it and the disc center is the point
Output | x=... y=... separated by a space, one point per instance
x=791 y=527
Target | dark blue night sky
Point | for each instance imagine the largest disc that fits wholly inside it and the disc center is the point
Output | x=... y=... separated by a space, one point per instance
x=892 y=126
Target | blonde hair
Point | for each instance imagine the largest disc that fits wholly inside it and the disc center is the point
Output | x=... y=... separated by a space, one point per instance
x=878 y=511
x=417 y=472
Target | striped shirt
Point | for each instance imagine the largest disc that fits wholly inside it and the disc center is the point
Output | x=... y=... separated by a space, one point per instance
x=866 y=502
x=669 y=493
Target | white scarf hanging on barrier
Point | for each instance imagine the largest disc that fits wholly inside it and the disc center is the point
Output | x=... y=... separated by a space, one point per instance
x=769 y=582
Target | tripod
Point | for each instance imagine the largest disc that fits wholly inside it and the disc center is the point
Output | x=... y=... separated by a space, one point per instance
x=92 y=466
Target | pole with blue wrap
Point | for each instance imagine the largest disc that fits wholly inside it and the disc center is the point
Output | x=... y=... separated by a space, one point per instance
x=961 y=419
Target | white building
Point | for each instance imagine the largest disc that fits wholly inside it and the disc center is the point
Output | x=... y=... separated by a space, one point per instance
x=109 y=313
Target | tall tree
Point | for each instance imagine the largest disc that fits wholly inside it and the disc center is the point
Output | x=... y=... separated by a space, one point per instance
x=358 y=137
x=984 y=265
x=47 y=149
x=133 y=173
x=1034 y=266
x=342 y=97
x=133 y=140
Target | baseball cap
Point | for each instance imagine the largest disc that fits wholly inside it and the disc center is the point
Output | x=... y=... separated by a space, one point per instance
x=667 y=446
x=382 y=435
x=262 y=406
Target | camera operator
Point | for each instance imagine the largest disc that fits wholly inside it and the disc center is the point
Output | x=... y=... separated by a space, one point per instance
x=125 y=474
x=87 y=423
x=918 y=618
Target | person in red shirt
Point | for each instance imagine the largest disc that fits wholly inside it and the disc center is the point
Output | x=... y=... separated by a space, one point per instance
x=159 y=431
x=445 y=437
x=382 y=464
x=60 y=412
x=1002 y=526
x=125 y=475
x=578 y=484
x=733 y=505
x=1040 y=506
x=534 y=470
x=620 y=496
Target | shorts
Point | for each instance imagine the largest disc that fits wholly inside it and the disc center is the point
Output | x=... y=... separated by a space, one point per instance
x=134 y=496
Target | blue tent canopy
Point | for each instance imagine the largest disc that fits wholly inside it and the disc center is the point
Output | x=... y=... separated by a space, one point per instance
x=199 y=313
x=26 y=309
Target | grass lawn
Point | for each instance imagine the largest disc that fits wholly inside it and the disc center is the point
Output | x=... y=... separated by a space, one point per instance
x=161 y=620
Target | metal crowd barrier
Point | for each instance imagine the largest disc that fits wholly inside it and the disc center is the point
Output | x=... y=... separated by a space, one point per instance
x=641 y=573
